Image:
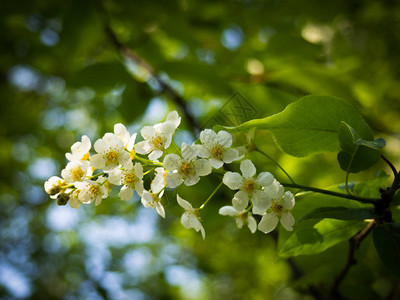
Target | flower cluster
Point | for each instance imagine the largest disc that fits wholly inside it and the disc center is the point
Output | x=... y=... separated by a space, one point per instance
x=120 y=161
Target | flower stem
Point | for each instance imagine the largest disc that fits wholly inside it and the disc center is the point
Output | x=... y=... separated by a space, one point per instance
x=275 y=162
x=331 y=193
x=209 y=197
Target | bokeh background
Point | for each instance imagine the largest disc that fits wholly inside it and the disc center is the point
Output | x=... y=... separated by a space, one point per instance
x=69 y=68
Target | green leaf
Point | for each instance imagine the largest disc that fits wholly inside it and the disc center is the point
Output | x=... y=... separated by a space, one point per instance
x=311 y=125
x=342 y=213
x=321 y=236
x=356 y=153
x=370 y=187
x=387 y=243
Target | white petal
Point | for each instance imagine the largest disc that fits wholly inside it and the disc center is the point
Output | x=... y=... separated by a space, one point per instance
x=74 y=202
x=98 y=201
x=173 y=180
x=174 y=118
x=192 y=180
x=86 y=144
x=252 y=224
x=288 y=200
x=202 y=151
x=265 y=179
x=125 y=160
x=160 y=209
x=228 y=211
x=139 y=187
x=248 y=169
x=156 y=154
x=287 y=221
x=208 y=137
x=146 y=199
x=230 y=155
x=187 y=220
x=97 y=161
x=138 y=170
x=268 y=223
x=100 y=146
x=183 y=203
x=224 y=139
x=172 y=162
x=203 y=232
x=147 y=132
x=261 y=201
x=188 y=152
x=158 y=182
x=126 y=193
x=232 y=180
x=240 y=201
x=275 y=190
x=202 y=167
x=143 y=147
x=131 y=142
x=115 y=176
x=216 y=163
x=239 y=222
x=122 y=133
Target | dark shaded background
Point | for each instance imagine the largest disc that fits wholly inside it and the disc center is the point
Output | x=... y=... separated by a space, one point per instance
x=69 y=68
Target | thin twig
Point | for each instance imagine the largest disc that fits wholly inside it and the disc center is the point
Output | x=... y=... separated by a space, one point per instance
x=390 y=164
x=127 y=53
x=354 y=243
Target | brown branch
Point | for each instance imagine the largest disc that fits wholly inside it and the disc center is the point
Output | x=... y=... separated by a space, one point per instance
x=390 y=164
x=354 y=243
x=127 y=53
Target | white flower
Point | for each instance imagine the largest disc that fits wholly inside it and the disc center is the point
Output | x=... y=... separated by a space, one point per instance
x=157 y=138
x=128 y=140
x=281 y=204
x=159 y=183
x=249 y=187
x=190 y=218
x=74 y=200
x=153 y=200
x=111 y=153
x=76 y=170
x=54 y=185
x=187 y=169
x=90 y=191
x=241 y=217
x=131 y=178
x=216 y=147
x=80 y=150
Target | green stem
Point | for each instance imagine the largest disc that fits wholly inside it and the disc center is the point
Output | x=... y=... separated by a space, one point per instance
x=96 y=175
x=395 y=185
x=331 y=193
x=212 y=194
x=275 y=162
x=147 y=172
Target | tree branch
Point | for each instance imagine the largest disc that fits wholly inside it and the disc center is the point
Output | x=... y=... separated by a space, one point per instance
x=354 y=243
x=127 y=53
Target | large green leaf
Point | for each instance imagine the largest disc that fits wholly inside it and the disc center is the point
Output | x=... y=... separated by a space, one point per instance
x=356 y=153
x=311 y=125
x=323 y=235
x=387 y=243
x=342 y=213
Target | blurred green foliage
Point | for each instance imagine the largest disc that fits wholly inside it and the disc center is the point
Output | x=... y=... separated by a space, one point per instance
x=62 y=77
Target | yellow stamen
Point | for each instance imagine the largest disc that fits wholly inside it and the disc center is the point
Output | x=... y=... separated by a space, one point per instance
x=217 y=152
x=130 y=179
x=277 y=208
x=112 y=157
x=94 y=189
x=249 y=186
x=158 y=143
x=77 y=173
x=186 y=168
x=86 y=156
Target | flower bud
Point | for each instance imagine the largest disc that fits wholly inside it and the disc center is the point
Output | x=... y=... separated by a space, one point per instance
x=53 y=185
x=62 y=199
